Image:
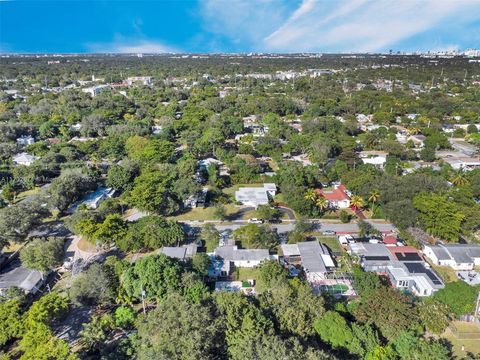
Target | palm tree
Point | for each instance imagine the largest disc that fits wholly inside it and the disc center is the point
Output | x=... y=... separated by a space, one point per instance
x=321 y=202
x=311 y=195
x=459 y=179
x=373 y=198
x=357 y=202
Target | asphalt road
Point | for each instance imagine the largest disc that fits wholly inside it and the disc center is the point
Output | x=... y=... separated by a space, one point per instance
x=339 y=228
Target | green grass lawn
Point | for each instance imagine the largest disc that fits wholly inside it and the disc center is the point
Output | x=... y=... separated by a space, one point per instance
x=24 y=194
x=467 y=335
x=199 y=214
x=250 y=273
x=330 y=241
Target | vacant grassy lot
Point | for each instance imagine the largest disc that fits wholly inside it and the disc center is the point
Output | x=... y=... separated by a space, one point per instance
x=202 y=214
x=446 y=273
x=463 y=334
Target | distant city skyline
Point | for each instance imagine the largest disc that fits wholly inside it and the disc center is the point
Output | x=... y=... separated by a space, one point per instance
x=277 y=26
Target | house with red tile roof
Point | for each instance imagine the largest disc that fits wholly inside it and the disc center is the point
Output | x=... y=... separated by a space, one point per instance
x=338 y=197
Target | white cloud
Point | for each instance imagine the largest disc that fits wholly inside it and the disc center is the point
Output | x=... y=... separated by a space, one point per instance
x=243 y=21
x=364 y=25
x=340 y=25
x=123 y=45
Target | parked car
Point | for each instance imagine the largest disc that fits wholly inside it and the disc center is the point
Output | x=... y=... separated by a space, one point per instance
x=255 y=221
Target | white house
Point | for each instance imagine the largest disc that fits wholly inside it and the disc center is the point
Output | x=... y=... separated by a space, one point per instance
x=144 y=80
x=377 y=158
x=94 y=199
x=96 y=90
x=24 y=159
x=26 y=140
x=255 y=196
x=457 y=256
x=225 y=258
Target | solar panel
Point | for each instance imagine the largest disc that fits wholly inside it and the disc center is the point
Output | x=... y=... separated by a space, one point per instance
x=417 y=268
x=377 y=258
x=408 y=256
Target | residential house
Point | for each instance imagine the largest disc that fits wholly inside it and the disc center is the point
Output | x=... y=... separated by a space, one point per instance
x=457 y=256
x=94 y=199
x=459 y=161
x=24 y=159
x=338 y=197
x=402 y=265
x=205 y=163
x=144 y=80
x=255 y=196
x=463 y=146
x=181 y=253
x=374 y=157
x=314 y=258
x=225 y=258
x=26 y=140
x=96 y=90
x=197 y=200
x=25 y=279
x=418 y=140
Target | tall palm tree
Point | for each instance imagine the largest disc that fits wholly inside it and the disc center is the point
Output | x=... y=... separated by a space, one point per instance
x=373 y=198
x=321 y=202
x=459 y=179
x=357 y=202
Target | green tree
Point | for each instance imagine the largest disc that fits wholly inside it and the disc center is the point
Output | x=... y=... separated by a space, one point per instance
x=151 y=232
x=201 y=263
x=196 y=329
x=434 y=315
x=120 y=177
x=266 y=212
x=252 y=236
x=151 y=192
x=112 y=230
x=210 y=236
x=94 y=286
x=389 y=310
x=439 y=216
x=11 y=325
x=155 y=274
x=43 y=255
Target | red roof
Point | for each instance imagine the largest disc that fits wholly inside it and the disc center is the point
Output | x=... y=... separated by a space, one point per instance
x=337 y=194
x=391 y=240
x=402 y=249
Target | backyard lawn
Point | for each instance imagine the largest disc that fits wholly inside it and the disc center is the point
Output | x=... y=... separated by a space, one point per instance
x=463 y=334
x=330 y=241
x=248 y=274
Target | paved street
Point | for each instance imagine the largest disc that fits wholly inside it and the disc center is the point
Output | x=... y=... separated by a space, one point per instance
x=287 y=226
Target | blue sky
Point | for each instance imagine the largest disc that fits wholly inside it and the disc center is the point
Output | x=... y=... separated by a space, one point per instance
x=238 y=25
